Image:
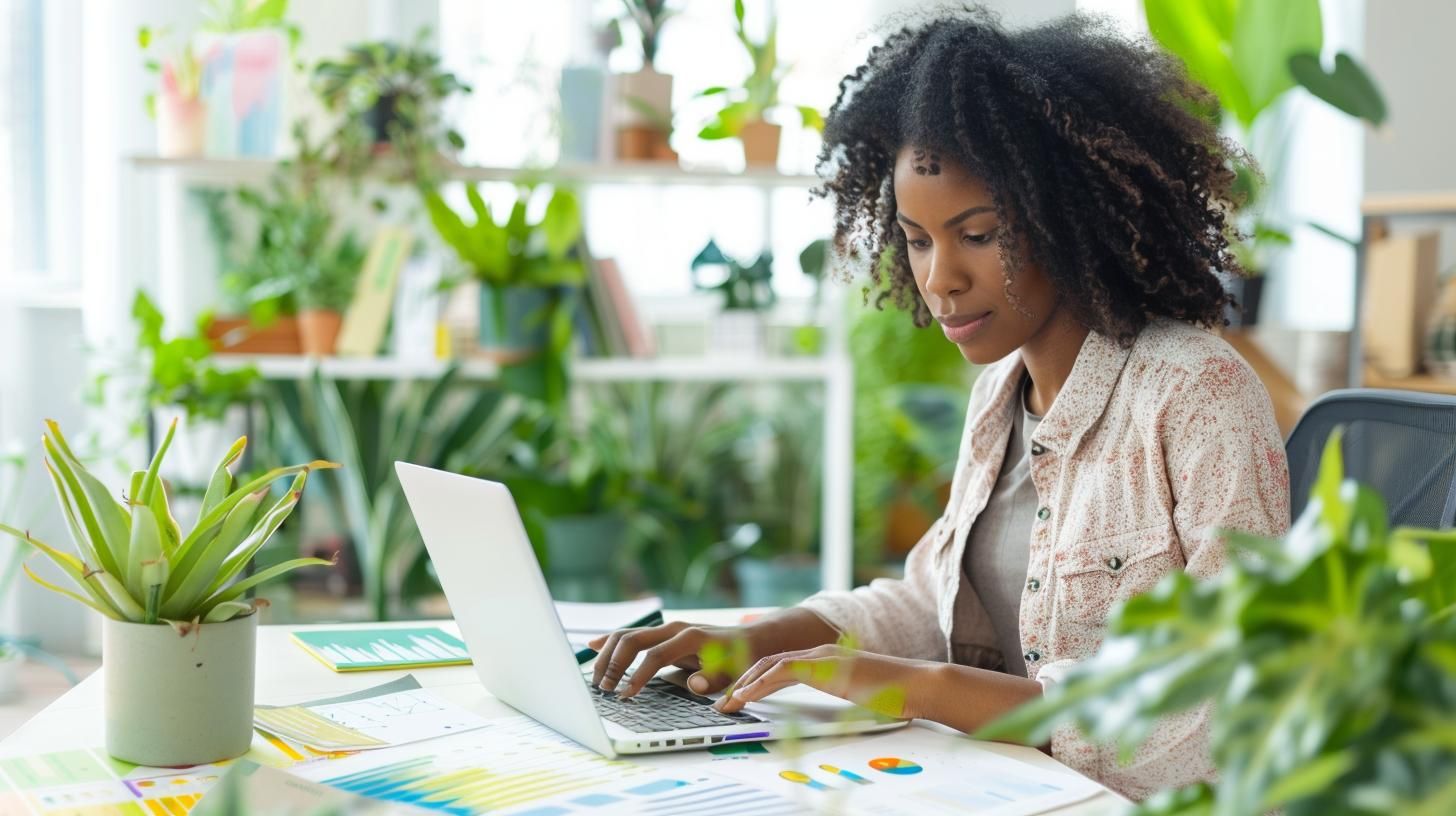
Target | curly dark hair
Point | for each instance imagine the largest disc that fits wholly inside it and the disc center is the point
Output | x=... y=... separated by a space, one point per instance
x=1099 y=162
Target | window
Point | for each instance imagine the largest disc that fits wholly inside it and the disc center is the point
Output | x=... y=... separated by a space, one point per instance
x=22 y=142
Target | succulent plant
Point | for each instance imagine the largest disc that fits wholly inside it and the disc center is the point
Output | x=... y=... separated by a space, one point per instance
x=133 y=563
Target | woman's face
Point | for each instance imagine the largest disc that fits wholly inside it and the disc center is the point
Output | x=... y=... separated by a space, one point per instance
x=950 y=230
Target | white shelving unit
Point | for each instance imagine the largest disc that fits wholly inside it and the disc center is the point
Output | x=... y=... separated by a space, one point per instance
x=833 y=370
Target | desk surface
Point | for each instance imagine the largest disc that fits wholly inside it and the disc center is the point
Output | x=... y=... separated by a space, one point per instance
x=288 y=674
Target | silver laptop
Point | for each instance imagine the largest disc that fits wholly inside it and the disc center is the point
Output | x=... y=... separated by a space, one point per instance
x=499 y=597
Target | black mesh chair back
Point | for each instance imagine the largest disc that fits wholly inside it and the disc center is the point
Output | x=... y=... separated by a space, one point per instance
x=1402 y=444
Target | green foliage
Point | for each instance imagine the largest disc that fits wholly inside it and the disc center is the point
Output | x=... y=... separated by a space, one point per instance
x=368 y=426
x=296 y=262
x=1250 y=53
x=517 y=252
x=180 y=373
x=649 y=16
x=1328 y=658
x=402 y=89
x=744 y=286
x=243 y=15
x=759 y=92
x=134 y=564
x=911 y=389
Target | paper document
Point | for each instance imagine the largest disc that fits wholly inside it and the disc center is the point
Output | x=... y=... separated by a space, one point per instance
x=374 y=722
x=914 y=772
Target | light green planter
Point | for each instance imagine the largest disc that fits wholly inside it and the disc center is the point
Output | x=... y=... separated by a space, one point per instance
x=775 y=582
x=174 y=700
x=516 y=319
x=582 y=554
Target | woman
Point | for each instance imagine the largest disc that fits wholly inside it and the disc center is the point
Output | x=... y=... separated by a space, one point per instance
x=1052 y=199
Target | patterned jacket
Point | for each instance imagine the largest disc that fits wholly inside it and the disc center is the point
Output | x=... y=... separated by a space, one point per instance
x=1145 y=453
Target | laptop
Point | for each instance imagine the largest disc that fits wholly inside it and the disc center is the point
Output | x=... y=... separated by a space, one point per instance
x=473 y=532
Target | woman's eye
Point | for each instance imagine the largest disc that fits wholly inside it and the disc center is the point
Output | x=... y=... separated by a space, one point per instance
x=918 y=243
x=981 y=240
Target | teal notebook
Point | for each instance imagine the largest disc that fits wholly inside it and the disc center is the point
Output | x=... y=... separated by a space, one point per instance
x=346 y=650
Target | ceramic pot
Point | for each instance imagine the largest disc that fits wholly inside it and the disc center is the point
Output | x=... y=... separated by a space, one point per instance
x=516 y=319
x=318 y=331
x=175 y=700
x=582 y=553
x=760 y=143
x=181 y=127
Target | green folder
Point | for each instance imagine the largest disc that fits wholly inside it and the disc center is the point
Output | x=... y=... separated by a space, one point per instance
x=348 y=650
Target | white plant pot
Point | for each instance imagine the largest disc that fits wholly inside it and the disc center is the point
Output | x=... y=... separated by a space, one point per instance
x=174 y=700
x=737 y=333
x=653 y=89
x=181 y=127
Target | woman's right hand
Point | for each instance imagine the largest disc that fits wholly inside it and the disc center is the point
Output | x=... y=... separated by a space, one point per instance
x=684 y=644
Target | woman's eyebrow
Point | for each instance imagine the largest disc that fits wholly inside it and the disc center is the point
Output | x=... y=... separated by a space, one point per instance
x=952 y=221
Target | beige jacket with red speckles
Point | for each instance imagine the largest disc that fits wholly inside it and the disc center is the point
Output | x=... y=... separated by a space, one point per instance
x=1145 y=453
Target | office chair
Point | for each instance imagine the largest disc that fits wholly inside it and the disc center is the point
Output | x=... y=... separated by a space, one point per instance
x=1402 y=444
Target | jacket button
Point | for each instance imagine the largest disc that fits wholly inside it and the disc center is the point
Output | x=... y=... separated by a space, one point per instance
x=1032 y=656
x=1044 y=513
x=1037 y=449
x=1114 y=563
x=1033 y=585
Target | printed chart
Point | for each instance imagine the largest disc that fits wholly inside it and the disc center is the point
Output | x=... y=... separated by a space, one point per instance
x=372 y=722
x=88 y=783
x=917 y=774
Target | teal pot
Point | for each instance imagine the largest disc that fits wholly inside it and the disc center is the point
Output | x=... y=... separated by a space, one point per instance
x=516 y=319
x=776 y=581
x=174 y=699
x=582 y=556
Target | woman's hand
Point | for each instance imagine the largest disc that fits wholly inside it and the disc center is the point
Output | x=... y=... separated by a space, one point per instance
x=886 y=685
x=715 y=654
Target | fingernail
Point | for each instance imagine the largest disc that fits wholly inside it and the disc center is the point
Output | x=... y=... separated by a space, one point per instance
x=698 y=684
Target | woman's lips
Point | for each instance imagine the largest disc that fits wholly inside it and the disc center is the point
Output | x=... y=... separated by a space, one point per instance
x=961 y=328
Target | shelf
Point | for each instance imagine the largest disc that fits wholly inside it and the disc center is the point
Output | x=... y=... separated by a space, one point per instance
x=660 y=369
x=1427 y=383
x=253 y=170
x=1430 y=203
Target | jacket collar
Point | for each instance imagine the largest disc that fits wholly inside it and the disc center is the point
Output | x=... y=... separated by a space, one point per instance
x=1079 y=405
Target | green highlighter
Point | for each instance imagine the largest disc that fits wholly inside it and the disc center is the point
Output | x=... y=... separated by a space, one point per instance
x=583 y=654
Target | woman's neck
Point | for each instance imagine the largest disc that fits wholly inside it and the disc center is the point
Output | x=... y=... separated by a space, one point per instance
x=1049 y=356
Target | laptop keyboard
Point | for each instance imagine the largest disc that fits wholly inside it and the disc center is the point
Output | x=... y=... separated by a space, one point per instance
x=663 y=706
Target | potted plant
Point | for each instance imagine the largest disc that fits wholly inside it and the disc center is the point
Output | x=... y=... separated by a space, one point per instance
x=748 y=292
x=179 y=637
x=645 y=96
x=1328 y=658
x=244 y=49
x=527 y=271
x=744 y=108
x=1250 y=61
x=177 y=104
x=390 y=97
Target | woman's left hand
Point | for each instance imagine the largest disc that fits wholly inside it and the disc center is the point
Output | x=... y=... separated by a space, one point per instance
x=885 y=685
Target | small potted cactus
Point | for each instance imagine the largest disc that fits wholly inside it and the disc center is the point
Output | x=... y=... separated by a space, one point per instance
x=179 y=639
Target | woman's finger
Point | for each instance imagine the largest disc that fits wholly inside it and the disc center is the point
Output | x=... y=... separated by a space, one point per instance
x=622 y=647
x=789 y=671
x=685 y=643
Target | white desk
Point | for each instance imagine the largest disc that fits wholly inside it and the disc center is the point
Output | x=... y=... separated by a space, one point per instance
x=287 y=674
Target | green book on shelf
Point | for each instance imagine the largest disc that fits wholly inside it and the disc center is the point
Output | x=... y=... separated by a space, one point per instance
x=347 y=650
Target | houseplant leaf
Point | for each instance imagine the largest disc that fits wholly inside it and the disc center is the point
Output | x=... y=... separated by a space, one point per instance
x=1266 y=34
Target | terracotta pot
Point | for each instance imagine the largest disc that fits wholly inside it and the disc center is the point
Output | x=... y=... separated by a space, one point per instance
x=760 y=144
x=640 y=143
x=181 y=127
x=236 y=335
x=318 y=331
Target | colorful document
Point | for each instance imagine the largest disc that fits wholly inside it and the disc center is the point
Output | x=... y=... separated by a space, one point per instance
x=347 y=650
x=373 y=722
x=913 y=772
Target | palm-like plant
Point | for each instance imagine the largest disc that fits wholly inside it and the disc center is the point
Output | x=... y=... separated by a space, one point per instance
x=133 y=563
x=759 y=92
